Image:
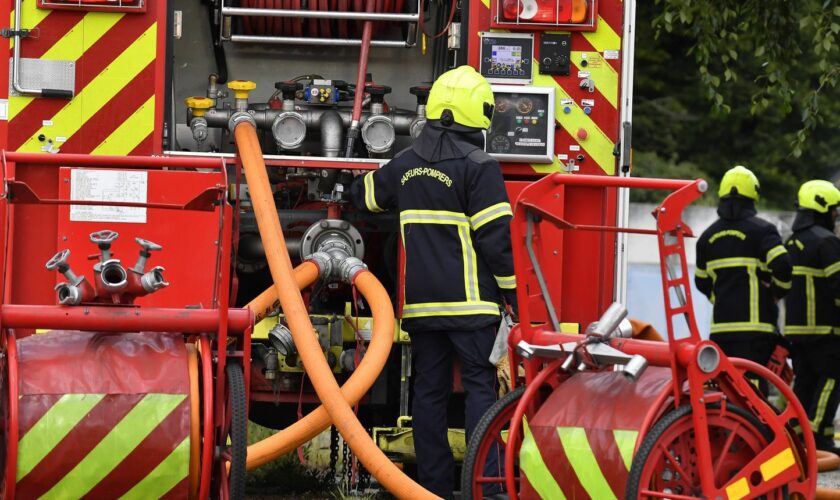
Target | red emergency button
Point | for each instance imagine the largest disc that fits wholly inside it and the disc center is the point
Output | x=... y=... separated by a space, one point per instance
x=582 y=134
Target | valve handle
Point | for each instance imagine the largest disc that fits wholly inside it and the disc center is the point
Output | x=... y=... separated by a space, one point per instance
x=374 y=89
x=104 y=237
x=147 y=245
x=58 y=260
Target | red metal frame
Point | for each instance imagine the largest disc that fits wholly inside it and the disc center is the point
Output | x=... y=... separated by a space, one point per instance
x=217 y=324
x=725 y=382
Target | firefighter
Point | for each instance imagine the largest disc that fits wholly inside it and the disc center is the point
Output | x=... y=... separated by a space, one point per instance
x=812 y=309
x=455 y=225
x=744 y=269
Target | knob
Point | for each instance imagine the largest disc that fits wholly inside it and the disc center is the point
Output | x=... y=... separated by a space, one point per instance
x=288 y=88
x=422 y=93
x=198 y=104
x=59 y=261
x=377 y=92
x=241 y=88
x=582 y=134
x=546 y=61
x=103 y=238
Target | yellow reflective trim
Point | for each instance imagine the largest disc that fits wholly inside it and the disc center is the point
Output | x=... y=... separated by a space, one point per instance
x=728 y=232
x=603 y=38
x=100 y=90
x=807 y=330
x=828 y=388
x=775 y=252
x=490 y=213
x=734 y=262
x=598 y=145
x=810 y=301
x=51 y=428
x=171 y=471
x=837 y=302
x=785 y=285
x=116 y=445
x=470 y=264
x=701 y=273
x=434 y=217
x=505 y=282
x=777 y=464
x=625 y=440
x=131 y=132
x=738 y=490
x=603 y=74
x=370 y=196
x=753 y=295
x=742 y=326
x=450 y=309
x=533 y=466
x=808 y=271
x=832 y=269
x=71 y=46
x=584 y=463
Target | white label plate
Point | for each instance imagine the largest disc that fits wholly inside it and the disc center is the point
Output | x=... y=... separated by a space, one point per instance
x=108 y=185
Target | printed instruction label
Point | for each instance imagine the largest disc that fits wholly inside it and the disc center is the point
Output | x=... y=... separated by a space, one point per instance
x=46 y=123
x=4 y=109
x=108 y=185
x=611 y=54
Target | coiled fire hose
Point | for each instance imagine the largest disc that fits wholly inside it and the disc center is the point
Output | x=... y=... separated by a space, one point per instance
x=354 y=388
x=297 y=316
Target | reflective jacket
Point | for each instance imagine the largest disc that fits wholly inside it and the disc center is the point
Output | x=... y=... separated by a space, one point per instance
x=742 y=267
x=455 y=227
x=813 y=305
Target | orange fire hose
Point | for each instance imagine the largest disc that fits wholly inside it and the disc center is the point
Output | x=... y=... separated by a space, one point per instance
x=304 y=275
x=297 y=316
x=827 y=461
x=356 y=386
x=195 y=420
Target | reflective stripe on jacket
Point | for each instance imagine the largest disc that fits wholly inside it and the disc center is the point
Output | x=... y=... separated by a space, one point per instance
x=812 y=307
x=742 y=267
x=455 y=227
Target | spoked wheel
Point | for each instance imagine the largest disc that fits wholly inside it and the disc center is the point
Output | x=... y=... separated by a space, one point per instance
x=490 y=435
x=232 y=477
x=666 y=464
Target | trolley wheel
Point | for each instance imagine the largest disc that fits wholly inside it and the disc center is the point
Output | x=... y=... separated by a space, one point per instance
x=488 y=433
x=238 y=431
x=666 y=460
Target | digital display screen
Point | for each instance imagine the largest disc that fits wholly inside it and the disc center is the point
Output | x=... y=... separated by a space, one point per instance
x=507 y=55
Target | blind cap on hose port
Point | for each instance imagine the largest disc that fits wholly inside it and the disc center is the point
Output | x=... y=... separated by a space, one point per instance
x=465 y=94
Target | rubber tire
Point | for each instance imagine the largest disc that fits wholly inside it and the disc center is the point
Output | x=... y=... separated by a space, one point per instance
x=238 y=431
x=478 y=436
x=659 y=429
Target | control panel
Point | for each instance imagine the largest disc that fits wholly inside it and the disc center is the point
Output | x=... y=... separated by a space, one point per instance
x=522 y=129
x=507 y=57
x=555 y=54
x=321 y=92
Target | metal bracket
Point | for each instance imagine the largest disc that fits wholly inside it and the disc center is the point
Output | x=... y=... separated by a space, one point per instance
x=11 y=33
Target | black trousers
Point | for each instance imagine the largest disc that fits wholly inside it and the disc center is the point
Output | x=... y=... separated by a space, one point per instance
x=432 y=353
x=816 y=366
x=757 y=347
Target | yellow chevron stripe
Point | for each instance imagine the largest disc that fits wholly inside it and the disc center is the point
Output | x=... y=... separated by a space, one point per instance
x=165 y=476
x=603 y=74
x=45 y=435
x=625 y=440
x=30 y=16
x=131 y=133
x=603 y=38
x=100 y=90
x=533 y=466
x=116 y=445
x=71 y=46
x=583 y=462
x=486 y=3
x=598 y=146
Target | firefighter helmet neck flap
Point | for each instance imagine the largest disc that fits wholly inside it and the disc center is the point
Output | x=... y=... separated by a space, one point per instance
x=739 y=181
x=461 y=96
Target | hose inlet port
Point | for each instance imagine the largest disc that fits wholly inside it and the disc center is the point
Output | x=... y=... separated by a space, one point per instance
x=113 y=275
x=153 y=281
x=68 y=295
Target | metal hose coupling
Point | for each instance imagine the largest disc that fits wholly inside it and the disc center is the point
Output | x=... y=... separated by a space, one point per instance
x=153 y=281
x=349 y=268
x=113 y=276
x=68 y=295
x=239 y=117
x=281 y=339
x=324 y=263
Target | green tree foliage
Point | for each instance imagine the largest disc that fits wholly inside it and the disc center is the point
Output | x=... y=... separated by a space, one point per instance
x=720 y=83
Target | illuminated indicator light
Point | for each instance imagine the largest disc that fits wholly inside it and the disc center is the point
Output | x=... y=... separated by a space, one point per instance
x=534 y=121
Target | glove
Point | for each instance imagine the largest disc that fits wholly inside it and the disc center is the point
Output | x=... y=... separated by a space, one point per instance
x=503 y=375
